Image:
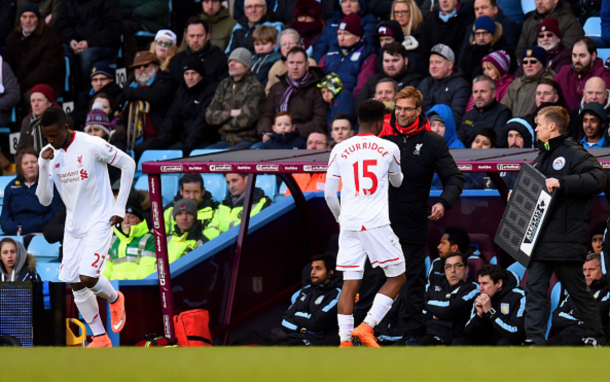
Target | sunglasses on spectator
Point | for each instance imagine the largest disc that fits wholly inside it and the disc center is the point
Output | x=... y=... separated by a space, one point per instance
x=530 y=62
x=547 y=35
x=165 y=44
x=400 y=13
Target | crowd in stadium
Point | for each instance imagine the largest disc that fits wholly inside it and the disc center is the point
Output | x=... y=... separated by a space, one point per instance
x=284 y=74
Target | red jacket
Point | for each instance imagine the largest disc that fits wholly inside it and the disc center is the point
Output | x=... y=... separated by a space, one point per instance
x=572 y=83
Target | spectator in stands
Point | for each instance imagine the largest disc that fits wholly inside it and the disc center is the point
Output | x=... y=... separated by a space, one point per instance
x=408 y=15
x=138 y=15
x=549 y=38
x=256 y=14
x=567 y=323
x=91 y=32
x=102 y=81
x=164 y=47
x=454 y=240
x=448 y=303
x=155 y=90
x=519 y=136
x=497 y=313
x=308 y=21
x=386 y=91
x=350 y=56
x=388 y=31
x=9 y=91
x=35 y=53
x=485 y=139
x=132 y=252
x=487 y=111
x=188 y=231
x=520 y=97
x=265 y=43
x=340 y=101
x=570 y=28
x=510 y=28
x=594 y=91
x=496 y=66
x=284 y=134
x=41 y=97
x=236 y=104
x=297 y=94
x=597 y=237
x=442 y=123
x=185 y=127
x=48 y=10
x=289 y=38
x=593 y=126
x=318 y=141
x=98 y=124
x=446 y=84
x=368 y=24
x=191 y=187
x=229 y=212
x=486 y=37
x=585 y=64
x=107 y=103
x=341 y=128
x=197 y=37
x=220 y=21
x=313 y=314
x=15 y=263
x=395 y=66
x=446 y=27
x=22 y=213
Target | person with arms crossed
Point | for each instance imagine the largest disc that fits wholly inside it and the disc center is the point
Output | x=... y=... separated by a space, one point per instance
x=76 y=163
x=365 y=164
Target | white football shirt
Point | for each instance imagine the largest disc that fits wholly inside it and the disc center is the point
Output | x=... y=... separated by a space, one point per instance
x=364 y=164
x=80 y=174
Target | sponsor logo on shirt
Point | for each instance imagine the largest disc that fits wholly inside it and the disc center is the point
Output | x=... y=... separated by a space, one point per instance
x=73 y=176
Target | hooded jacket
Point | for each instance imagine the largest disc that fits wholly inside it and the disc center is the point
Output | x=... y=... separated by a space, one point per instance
x=306 y=105
x=572 y=84
x=504 y=320
x=571 y=29
x=221 y=25
x=205 y=211
x=24 y=269
x=598 y=110
x=451 y=33
x=287 y=141
x=421 y=156
x=452 y=91
x=574 y=125
x=565 y=234
x=495 y=115
x=523 y=126
x=520 y=97
x=451 y=137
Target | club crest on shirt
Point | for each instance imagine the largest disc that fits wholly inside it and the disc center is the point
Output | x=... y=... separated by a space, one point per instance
x=417 y=149
x=505 y=308
x=79 y=159
x=319 y=300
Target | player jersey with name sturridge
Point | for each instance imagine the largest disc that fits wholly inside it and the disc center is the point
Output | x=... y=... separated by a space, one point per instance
x=363 y=163
x=81 y=177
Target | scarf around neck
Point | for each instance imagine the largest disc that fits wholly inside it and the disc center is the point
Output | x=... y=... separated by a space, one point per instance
x=294 y=85
x=414 y=129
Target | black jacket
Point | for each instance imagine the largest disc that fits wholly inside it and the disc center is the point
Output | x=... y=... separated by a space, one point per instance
x=566 y=232
x=214 y=61
x=99 y=22
x=451 y=33
x=159 y=94
x=288 y=141
x=567 y=320
x=436 y=273
x=313 y=313
x=185 y=120
x=409 y=203
x=412 y=77
x=453 y=91
x=495 y=115
x=506 y=322
x=447 y=309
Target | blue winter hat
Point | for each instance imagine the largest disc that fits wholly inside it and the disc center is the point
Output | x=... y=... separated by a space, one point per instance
x=102 y=67
x=485 y=23
x=537 y=52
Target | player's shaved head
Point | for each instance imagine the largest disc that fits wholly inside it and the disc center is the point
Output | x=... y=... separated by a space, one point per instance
x=54 y=116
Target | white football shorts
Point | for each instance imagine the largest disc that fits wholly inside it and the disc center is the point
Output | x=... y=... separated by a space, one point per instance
x=85 y=255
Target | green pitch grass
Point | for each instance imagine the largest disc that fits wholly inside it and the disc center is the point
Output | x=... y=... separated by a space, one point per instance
x=305 y=364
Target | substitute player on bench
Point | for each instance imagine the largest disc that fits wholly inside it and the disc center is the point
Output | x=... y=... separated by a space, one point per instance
x=76 y=163
x=364 y=164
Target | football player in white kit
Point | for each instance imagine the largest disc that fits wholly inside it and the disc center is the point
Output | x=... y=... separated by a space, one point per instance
x=366 y=165
x=76 y=163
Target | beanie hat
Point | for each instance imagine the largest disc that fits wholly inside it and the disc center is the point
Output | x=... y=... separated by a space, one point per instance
x=351 y=24
x=185 y=205
x=536 y=52
x=30 y=7
x=550 y=25
x=443 y=51
x=390 y=28
x=45 y=90
x=194 y=62
x=435 y=117
x=500 y=60
x=135 y=210
x=308 y=8
x=331 y=82
x=97 y=117
x=485 y=23
x=102 y=67
x=243 y=56
x=166 y=33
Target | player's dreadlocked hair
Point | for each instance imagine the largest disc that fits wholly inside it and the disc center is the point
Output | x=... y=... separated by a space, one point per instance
x=53 y=116
x=371 y=111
